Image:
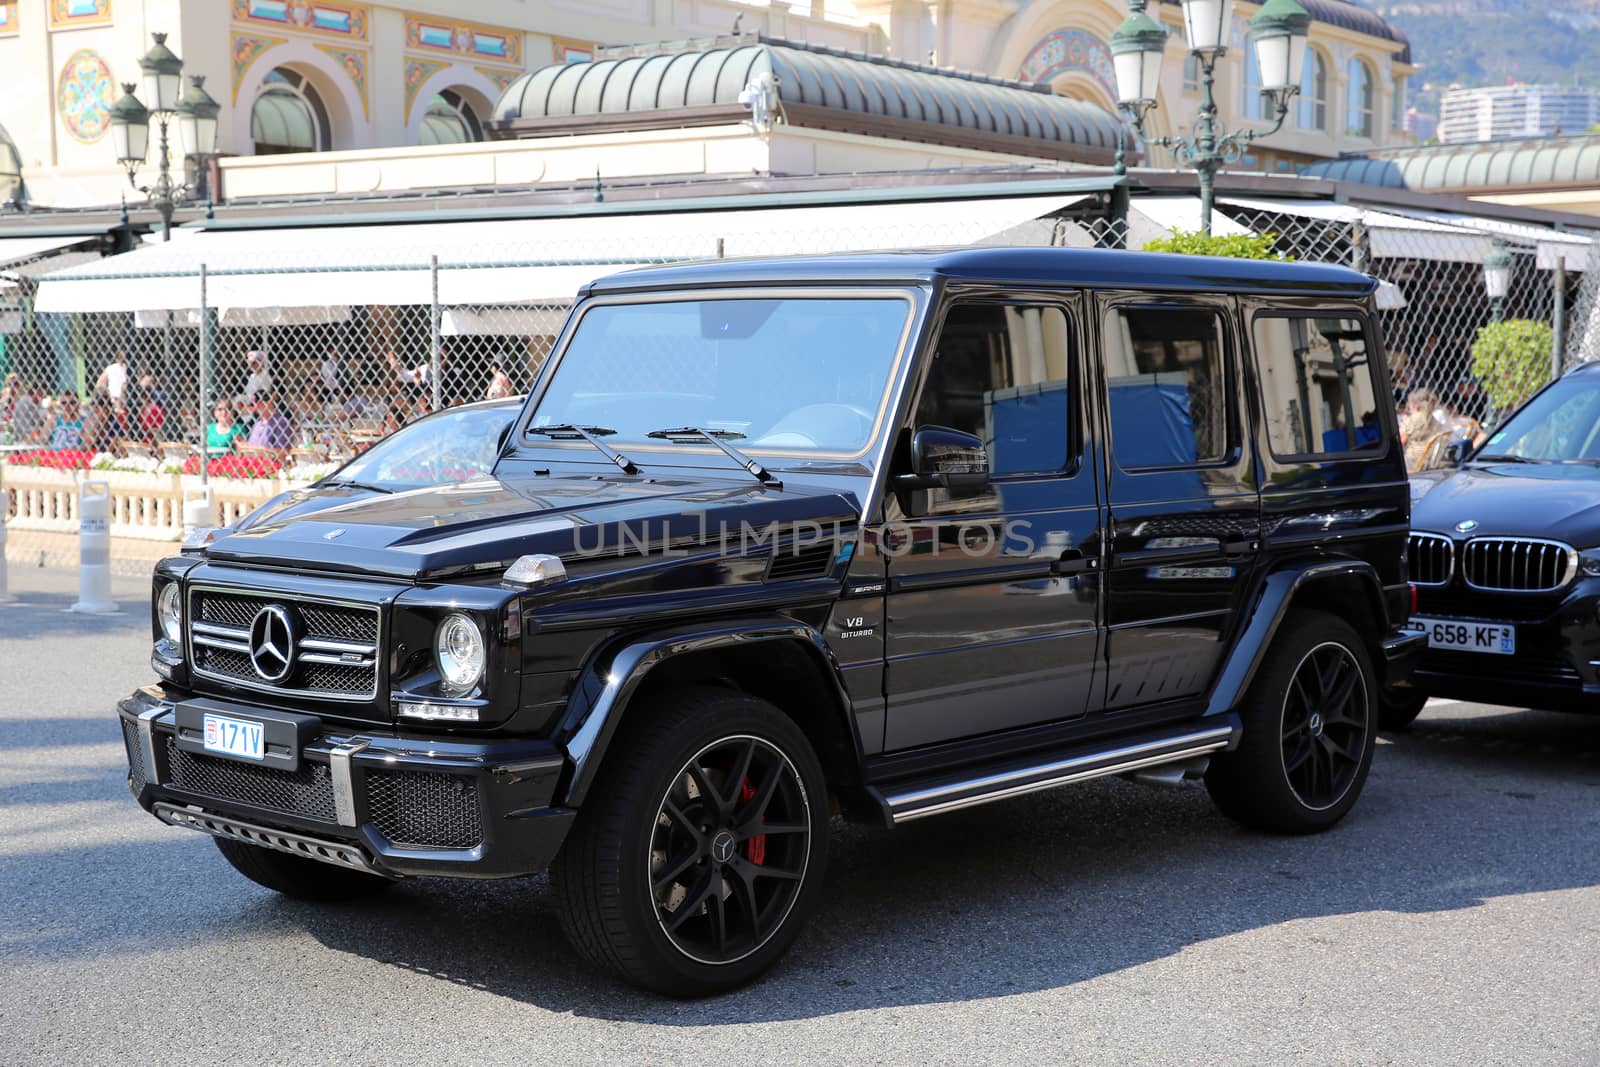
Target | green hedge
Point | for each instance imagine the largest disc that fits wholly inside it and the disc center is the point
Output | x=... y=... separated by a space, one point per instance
x=1232 y=246
x=1512 y=359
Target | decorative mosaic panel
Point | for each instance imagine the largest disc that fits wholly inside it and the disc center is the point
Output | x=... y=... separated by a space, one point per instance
x=84 y=94
x=500 y=79
x=68 y=14
x=355 y=66
x=484 y=43
x=245 y=50
x=1066 y=50
x=417 y=72
x=306 y=16
x=565 y=51
x=9 y=26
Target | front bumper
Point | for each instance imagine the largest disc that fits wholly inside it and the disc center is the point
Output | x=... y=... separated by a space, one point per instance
x=1556 y=665
x=395 y=805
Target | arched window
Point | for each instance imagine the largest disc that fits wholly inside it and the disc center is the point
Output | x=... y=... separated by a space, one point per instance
x=1252 y=105
x=1314 y=92
x=1191 y=73
x=288 y=116
x=1358 y=101
x=449 y=120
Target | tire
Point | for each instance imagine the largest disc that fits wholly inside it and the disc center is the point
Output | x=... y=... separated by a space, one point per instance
x=1399 y=708
x=1305 y=752
x=669 y=889
x=296 y=877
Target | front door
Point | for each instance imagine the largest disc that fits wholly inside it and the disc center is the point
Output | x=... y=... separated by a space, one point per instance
x=1185 y=510
x=994 y=596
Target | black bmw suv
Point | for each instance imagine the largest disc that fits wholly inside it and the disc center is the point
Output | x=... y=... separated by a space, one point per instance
x=1505 y=554
x=879 y=535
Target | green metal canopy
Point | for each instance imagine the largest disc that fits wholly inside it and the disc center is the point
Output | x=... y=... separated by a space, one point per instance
x=1546 y=162
x=808 y=85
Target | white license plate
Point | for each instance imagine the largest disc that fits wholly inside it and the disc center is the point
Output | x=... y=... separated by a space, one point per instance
x=1459 y=636
x=234 y=737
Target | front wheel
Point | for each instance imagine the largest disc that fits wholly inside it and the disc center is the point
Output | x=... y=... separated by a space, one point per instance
x=699 y=851
x=1309 y=730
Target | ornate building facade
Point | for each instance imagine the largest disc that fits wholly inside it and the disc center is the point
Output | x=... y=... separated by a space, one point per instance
x=315 y=76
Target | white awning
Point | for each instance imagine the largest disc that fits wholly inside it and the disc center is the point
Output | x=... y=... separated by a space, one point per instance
x=22 y=249
x=1151 y=218
x=189 y=318
x=1389 y=236
x=1551 y=247
x=498 y=321
x=514 y=261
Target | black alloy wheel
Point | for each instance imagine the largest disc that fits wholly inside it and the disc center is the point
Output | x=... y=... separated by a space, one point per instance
x=729 y=850
x=1326 y=718
x=1310 y=727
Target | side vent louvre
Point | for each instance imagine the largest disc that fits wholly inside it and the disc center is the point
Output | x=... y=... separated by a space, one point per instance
x=811 y=561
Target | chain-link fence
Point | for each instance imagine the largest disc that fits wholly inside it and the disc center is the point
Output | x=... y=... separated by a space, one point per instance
x=278 y=365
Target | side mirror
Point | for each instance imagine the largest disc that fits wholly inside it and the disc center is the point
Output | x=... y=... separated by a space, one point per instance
x=1456 y=452
x=942 y=458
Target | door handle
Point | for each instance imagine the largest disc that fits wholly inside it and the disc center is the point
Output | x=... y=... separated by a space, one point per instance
x=1073 y=562
x=1239 y=545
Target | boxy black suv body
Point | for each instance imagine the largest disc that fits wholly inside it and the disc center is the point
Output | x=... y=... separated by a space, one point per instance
x=886 y=535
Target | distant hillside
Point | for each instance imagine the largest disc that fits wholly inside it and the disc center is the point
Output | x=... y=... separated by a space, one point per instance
x=1490 y=42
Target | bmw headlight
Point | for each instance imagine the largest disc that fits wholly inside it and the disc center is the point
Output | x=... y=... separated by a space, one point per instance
x=458 y=649
x=1589 y=562
x=169 y=610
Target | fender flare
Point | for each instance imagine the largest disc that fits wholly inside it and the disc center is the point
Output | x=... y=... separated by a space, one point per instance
x=1272 y=605
x=614 y=676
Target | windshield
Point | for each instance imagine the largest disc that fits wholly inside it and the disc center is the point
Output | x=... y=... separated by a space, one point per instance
x=1561 y=424
x=455 y=446
x=802 y=376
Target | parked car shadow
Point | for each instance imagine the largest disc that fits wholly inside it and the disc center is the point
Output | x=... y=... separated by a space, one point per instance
x=1032 y=894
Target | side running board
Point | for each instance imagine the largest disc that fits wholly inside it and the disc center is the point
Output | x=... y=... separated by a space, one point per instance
x=907 y=800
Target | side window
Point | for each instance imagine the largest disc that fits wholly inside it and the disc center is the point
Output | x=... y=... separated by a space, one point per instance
x=1000 y=372
x=1168 y=385
x=1318 y=385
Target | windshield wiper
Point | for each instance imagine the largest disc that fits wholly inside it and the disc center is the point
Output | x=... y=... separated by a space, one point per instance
x=716 y=437
x=570 y=432
x=1505 y=458
x=350 y=483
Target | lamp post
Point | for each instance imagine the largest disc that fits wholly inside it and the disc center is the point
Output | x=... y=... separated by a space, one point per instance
x=1497 y=267
x=1279 y=30
x=193 y=109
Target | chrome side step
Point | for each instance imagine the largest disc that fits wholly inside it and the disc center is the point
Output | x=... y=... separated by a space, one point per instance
x=917 y=800
x=311 y=848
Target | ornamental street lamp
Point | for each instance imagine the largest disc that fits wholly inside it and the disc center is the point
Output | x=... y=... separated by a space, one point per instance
x=1497 y=267
x=196 y=114
x=1279 y=30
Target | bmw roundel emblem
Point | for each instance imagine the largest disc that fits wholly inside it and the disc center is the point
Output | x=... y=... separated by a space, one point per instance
x=1466 y=525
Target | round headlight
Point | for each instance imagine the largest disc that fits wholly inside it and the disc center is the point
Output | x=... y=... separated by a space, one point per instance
x=170 y=612
x=458 y=646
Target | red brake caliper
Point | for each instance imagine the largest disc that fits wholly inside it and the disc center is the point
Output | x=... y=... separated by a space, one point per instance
x=755 y=849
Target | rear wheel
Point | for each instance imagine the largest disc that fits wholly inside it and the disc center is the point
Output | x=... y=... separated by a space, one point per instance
x=1399 y=708
x=699 y=851
x=296 y=877
x=1309 y=730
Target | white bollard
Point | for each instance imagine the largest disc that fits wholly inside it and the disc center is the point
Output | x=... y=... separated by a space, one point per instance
x=5 y=597
x=94 y=550
x=197 y=511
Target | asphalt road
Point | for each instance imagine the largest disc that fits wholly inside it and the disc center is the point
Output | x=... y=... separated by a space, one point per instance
x=1454 y=918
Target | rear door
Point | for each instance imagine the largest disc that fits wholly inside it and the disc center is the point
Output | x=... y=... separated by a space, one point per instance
x=994 y=596
x=1185 y=511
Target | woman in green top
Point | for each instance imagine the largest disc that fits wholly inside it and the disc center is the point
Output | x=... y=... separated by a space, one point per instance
x=223 y=429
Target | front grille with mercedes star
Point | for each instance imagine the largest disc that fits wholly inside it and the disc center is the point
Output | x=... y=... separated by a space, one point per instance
x=316 y=648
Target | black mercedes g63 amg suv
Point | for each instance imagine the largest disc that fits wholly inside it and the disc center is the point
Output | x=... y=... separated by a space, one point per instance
x=885 y=535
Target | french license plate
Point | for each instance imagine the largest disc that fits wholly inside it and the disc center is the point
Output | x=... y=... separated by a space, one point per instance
x=234 y=737
x=1491 y=637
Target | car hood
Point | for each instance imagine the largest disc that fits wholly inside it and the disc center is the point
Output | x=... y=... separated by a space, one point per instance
x=298 y=502
x=445 y=530
x=1553 y=500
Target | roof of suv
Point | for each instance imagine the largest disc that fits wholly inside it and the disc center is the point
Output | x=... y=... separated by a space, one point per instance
x=1021 y=267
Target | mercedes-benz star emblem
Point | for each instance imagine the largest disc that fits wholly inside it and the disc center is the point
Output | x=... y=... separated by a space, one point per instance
x=272 y=643
x=1466 y=525
x=722 y=847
